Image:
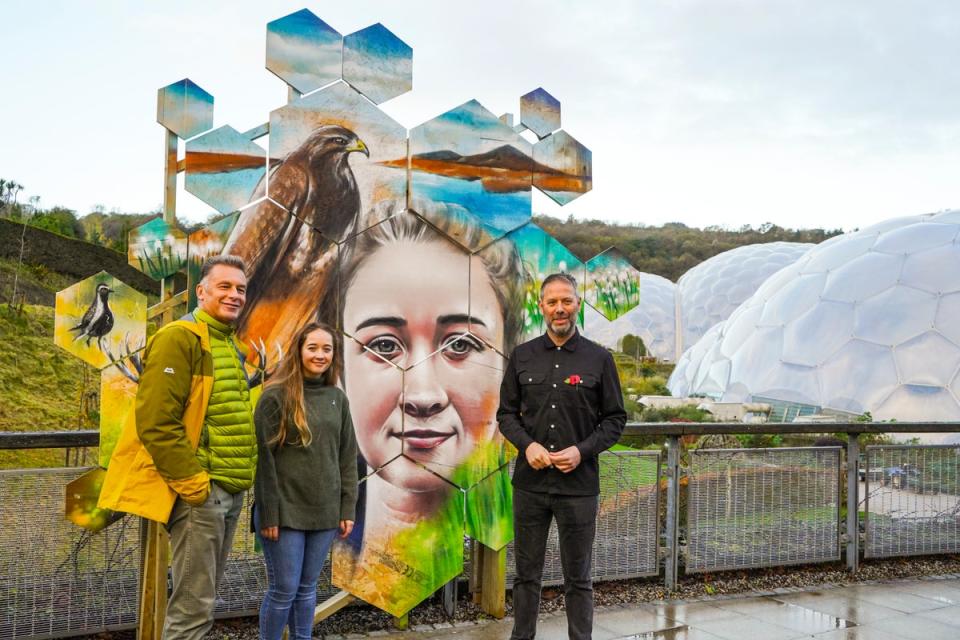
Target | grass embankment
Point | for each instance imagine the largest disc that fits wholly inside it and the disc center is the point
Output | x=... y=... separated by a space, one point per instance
x=43 y=388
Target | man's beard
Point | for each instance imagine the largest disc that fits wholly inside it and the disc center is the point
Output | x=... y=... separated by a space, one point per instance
x=564 y=331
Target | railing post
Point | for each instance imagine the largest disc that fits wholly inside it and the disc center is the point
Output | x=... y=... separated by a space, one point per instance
x=673 y=511
x=853 y=502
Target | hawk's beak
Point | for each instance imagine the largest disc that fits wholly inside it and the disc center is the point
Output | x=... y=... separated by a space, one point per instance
x=359 y=146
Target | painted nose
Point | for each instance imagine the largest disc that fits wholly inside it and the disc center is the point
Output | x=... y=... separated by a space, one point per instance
x=423 y=395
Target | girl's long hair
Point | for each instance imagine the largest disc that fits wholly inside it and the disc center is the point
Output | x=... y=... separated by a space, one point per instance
x=290 y=379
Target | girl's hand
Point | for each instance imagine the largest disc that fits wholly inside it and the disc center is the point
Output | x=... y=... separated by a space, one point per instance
x=346 y=526
x=270 y=533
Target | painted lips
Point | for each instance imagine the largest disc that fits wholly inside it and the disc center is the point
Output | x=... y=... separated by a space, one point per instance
x=424 y=438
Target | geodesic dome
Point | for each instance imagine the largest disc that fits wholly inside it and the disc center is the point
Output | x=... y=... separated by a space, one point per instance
x=710 y=291
x=653 y=320
x=866 y=321
x=682 y=379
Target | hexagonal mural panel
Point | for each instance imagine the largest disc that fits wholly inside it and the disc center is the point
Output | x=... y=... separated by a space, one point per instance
x=342 y=162
x=489 y=509
x=654 y=321
x=304 y=51
x=118 y=394
x=157 y=249
x=613 y=284
x=81 y=502
x=378 y=418
x=449 y=407
x=100 y=320
x=203 y=244
x=377 y=63
x=184 y=108
x=526 y=256
x=540 y=112
x=562 y=167
x=467 y=165
x=223 y=168
x=395 y=563
x=291 y=274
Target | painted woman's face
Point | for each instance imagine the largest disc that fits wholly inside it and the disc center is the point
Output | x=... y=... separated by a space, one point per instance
x=408 y=307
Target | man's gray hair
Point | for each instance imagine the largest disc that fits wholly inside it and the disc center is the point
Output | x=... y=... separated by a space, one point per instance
x=226 y=260
x=562 y=277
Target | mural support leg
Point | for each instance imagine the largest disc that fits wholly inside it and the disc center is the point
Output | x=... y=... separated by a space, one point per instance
x=154 y=543
x=155 y=551
x=853 y=502
x=493 y=580
x=673 y=512
x=450 y=598
x=331 y=605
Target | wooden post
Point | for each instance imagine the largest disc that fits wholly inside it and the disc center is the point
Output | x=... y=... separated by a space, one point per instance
x=493 y=580
x=402 y=622
x=154 y=542
x=155 y=558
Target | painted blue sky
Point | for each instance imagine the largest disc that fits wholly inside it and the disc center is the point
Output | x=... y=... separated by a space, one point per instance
x=818 y=113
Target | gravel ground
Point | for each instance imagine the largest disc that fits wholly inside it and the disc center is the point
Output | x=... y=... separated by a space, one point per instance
x=363 y=619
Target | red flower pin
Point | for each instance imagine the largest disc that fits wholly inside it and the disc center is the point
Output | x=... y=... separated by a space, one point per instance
x=574 y=379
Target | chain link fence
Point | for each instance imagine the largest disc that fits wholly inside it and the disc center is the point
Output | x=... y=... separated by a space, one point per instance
x=744 y=508
x=911 y=500
x=762 y=507
x=628 y=531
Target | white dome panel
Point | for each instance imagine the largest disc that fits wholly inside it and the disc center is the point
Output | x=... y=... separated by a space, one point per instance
x=858 y=377
x=920 y=403
x=818 y=334
x=927 y=359
x=915 y=237
x=936 y=270
x=895 y=316
x=947 y=320
x=863 y=276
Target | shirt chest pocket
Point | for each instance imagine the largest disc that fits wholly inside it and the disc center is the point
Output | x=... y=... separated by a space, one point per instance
x=533 y=389
x=582 y=388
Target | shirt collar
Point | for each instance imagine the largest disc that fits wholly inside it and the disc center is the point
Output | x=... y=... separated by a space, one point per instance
x=570 y=345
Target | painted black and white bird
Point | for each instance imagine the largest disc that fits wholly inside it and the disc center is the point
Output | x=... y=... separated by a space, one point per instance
x=97 y=320
x=287 y=240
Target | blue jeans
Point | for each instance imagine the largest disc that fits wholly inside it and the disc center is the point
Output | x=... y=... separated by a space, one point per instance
x=294 y=563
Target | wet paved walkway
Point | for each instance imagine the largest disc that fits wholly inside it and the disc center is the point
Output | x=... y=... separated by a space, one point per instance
x=904 y=610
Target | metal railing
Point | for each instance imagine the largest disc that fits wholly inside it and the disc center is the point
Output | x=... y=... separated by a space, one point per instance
x=699 y=510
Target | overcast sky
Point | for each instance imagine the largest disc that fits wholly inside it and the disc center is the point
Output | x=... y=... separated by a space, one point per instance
x=803 y=113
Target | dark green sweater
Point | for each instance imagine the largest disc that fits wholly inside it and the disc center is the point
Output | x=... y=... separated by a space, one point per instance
x=313 y=487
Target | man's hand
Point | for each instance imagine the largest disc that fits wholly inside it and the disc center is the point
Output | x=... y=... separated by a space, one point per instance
x=566 y=460
x=346 y=526
x=270 y=533
x=537 y=456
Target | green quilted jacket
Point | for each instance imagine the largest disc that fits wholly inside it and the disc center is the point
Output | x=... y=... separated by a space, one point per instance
x=228 y=441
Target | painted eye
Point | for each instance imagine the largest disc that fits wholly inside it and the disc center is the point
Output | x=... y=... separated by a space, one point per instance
x=386 y=347
x=340 y=141
x=460 y=347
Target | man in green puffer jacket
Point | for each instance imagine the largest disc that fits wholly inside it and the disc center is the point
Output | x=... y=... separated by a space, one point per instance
x=190 y=452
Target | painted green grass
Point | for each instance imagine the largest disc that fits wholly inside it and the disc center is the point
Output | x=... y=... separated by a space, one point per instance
x=41 y=384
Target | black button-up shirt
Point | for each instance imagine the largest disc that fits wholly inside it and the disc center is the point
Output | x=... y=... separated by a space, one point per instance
x=559 y=397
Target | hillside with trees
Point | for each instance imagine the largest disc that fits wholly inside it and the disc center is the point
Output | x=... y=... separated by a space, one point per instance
x=669 y=250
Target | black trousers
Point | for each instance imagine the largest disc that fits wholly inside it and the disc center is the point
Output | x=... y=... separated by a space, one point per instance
x=576 y=518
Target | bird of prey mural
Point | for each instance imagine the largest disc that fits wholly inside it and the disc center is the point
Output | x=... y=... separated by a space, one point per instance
x=289 y=256
x=97 y=320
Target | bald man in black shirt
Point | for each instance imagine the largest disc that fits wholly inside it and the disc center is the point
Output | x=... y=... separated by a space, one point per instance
x=560 y=405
